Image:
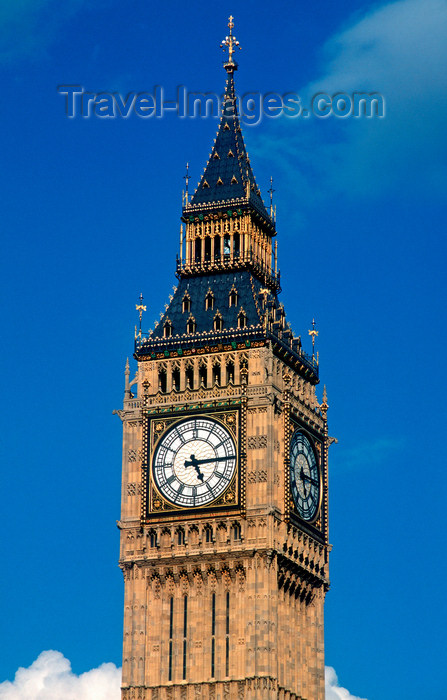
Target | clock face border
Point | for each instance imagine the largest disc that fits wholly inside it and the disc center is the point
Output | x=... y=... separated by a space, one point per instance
x=155 y=503
x=315 y=520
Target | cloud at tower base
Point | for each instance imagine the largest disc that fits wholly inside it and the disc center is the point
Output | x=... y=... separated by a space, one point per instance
x=50 y=678
x=332 y=689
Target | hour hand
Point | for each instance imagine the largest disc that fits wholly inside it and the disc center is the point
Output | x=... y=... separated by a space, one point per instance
x=195 y=463
x=305 y=477
x=303 y=480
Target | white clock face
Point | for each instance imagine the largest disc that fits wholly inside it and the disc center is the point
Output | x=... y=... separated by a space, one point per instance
x=194 y=462
x=304 y=476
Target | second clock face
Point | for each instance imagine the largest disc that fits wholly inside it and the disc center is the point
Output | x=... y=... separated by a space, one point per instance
x=304 y=476
x=194 y=462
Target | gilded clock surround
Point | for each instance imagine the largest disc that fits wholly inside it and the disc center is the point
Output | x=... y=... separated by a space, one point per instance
x=225 y=601
x=155 y=503
x=313 y=477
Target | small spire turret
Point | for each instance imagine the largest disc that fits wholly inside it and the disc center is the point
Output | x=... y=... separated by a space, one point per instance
x=271 y=191
x=181 y=243
x=313 y=334
x=187 y=178
x=140 y=308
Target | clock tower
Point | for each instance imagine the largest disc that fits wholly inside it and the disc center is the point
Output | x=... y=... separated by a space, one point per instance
x=224 y=520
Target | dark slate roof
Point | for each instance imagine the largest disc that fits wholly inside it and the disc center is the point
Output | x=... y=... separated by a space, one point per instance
x=220 y=284
x=227 y=174
x=259 y=304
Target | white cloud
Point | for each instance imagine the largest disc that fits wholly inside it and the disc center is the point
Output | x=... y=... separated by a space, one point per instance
x=50 y=678
x=333 y=690
x=400 y=51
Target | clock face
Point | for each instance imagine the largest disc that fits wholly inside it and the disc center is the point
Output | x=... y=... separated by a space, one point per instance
x=304 y=476
x=194 y=462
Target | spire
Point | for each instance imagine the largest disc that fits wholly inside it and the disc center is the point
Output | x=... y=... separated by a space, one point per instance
x=228 y=176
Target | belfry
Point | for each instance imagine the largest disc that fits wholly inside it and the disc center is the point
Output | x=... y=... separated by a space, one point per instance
x=224 y=520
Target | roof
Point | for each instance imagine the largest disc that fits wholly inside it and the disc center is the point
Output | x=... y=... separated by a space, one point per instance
x=228 y=169
x=220 y=285
x=261 y=307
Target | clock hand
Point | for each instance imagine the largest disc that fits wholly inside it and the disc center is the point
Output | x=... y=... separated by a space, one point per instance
x=209 y=459
x=195 y=463
x=309 y=478
x=302 y=478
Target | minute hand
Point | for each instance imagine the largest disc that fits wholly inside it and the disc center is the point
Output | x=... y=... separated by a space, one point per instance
x=205 y=461
x=309 y=478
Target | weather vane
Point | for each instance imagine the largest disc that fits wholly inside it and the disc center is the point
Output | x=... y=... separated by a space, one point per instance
x=140 y=308
x=230 y=42
x=313 y=333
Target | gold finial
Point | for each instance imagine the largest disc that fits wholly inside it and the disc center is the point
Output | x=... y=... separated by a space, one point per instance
x=324 y=405
x=140 y=308
x=313 y=333
x=231 y=43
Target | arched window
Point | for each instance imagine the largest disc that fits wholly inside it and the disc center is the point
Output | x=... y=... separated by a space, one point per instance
x=186 y=303
x=237 y=531
x=180 y=536
x=185 y=635
x=207 y=248
x=232 y=300
x=191 y=325
x=162 y=384
x=217 y=248
x=209 y=300
x=189 y=377
x=216 y=374
x=236 y=244
x=167 y=329
x=176 y=380
x=198 y=249
x=282 y=316
x=152 y=539
x=203 y=375
x=227 y=244
x=208 y=533
x=218 y=322
x=242 y=319
x=230 y=372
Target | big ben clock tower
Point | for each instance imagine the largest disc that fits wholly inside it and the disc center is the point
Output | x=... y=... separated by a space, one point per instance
x=224 y=521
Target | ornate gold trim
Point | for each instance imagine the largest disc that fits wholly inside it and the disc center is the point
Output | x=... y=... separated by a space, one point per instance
x=153 y=502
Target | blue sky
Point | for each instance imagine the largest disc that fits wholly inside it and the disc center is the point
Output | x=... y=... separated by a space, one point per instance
x=90 y=218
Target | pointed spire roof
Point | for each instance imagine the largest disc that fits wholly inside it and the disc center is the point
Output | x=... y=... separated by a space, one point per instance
x=228 y=175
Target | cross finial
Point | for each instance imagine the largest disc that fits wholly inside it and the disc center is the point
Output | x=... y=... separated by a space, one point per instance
x=231 y=43
x=313 y=333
